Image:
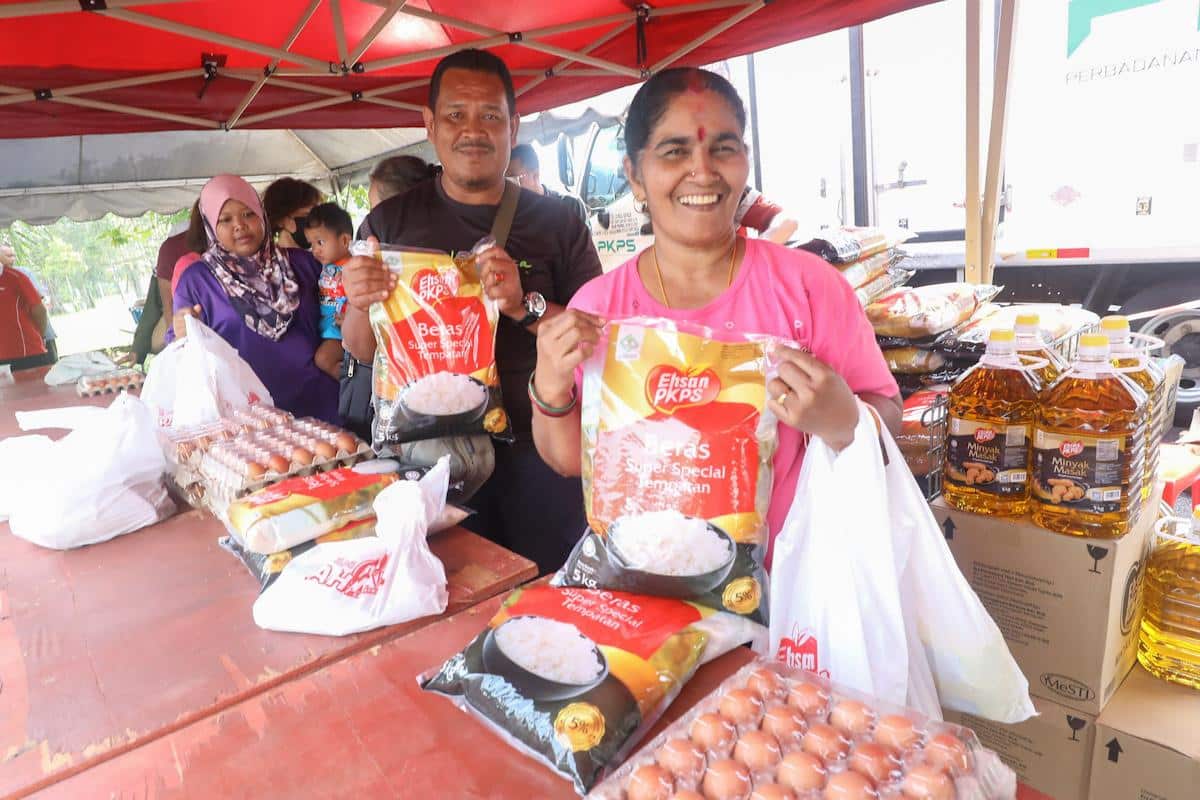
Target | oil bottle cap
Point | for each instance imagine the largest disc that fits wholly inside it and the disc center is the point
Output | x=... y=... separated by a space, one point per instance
x=1093 y=345
x=1114 y=322
x=1000 y=341
x=1028 y=321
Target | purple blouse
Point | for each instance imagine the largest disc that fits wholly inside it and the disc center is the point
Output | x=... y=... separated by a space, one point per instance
x=285 y=367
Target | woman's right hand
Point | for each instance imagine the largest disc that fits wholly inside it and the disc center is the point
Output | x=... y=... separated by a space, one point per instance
x=563 y=343
x=366 y=280
x=177 y=321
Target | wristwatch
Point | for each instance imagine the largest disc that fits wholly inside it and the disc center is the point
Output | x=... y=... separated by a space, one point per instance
x=535 y=308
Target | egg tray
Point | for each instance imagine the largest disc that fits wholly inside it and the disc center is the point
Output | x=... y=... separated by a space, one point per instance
x=773 y=732
x=121 y=380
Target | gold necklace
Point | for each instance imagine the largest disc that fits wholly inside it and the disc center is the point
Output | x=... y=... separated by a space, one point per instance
x=662 y=287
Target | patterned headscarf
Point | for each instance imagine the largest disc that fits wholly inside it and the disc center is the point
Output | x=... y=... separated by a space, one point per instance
x=261 y=287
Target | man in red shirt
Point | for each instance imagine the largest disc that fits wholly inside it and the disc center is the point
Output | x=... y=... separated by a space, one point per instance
x=23 y=318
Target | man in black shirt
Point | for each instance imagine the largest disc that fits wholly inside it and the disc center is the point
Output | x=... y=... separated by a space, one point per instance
x=472 y=123
x=524 y=168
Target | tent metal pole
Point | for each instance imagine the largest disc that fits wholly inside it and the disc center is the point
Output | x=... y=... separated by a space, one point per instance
x=383 y=101
x=582 y=58
x=427 y=55
x=284 y=112
x=135 y=18
x=339 y=32
x=752 y=8
x=999 y=127
x=48 y=7
x=303 y=144
x=441 y=19
x=262 y=79
x=972 y=264
x=541 y=76
x=324 y=91
x=199 y=122
x=168 y=183
x=376 y=29
x=86 y=88
x=571 y=27
x=860 y=171
x=370 y=96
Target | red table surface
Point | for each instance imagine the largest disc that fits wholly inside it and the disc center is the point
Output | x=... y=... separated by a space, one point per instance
x=29 y=392
x=360 y=727
x=105 y=647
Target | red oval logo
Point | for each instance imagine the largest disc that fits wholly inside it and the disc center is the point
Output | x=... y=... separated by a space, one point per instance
x=1070 y=449
x=984 y=435
x=669 y=389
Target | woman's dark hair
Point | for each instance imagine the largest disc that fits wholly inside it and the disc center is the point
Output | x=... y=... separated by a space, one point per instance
x=331 y=216
x=651 y=102
x=398 y=174
x=196 y=238
x=284 y=196
x=476 y=61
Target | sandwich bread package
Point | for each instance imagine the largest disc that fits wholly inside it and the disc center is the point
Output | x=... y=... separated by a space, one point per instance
x=577 y=677
x=677 y=462
x=435 y=369
x=913 y=315
x=849 y=244
x=923 y=429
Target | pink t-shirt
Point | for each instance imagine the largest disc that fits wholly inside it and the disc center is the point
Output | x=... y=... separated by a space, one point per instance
x=777 y=291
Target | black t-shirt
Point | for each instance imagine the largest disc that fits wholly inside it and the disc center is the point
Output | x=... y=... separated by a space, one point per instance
x=552 y=247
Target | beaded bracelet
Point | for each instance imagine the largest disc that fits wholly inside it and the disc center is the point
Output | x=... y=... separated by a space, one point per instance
x=549 y=410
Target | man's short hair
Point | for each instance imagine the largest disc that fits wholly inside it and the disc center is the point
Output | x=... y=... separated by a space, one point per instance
x=476 y=61
x=331 y=216
x=527 y=156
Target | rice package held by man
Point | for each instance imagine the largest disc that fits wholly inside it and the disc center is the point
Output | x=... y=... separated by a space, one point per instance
x=577 y=677
x=435 y=360
x=677 y=465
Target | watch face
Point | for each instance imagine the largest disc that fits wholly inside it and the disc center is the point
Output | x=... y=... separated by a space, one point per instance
x=535 y=303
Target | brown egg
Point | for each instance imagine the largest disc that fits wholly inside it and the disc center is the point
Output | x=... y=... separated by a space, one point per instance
x=324 y=450
x=302 y=456
x=810 y=699
x=928 y=782
x=682 y=758
x=852 y=717
x=896 y=730
x=714 y=734
x=767 y=684
x=758 y=751
x=255 y=470
x=948 y=752
x=727 y=780
x=801 y=772
x=877 y=762
x=786 y=724
x=346 y=441
x=650 y=782
x=826 y=743
x=687 y=794
x=278 y=463
x=850 y=786
x=743 y=708
x=772 y=791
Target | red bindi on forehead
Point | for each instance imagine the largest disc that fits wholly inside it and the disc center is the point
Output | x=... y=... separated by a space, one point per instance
x=701 y=134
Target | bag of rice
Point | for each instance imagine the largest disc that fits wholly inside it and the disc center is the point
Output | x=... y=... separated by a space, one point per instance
x=849 y=244
x=917 y=313
x=677 y=450
x=576 y=677
x=435 y=360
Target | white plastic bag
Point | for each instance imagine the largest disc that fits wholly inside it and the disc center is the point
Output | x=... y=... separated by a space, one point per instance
x=20 y=461
x=69 y=369
x=865 y=591
x=339 y=588
x=199 y=379
x=102 y=480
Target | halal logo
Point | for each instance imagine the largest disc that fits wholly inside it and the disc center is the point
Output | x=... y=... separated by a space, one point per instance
x=1081 y=13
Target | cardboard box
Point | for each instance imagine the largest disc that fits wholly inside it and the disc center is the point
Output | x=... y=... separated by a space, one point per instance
x=1069 y=607
x=1148 y=742
x=1051 y=753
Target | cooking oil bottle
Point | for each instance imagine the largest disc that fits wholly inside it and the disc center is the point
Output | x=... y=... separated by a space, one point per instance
x=1031 y=343
x=1088 y=447
x=1147 y=375
x=1169 y=639
x=992 y=410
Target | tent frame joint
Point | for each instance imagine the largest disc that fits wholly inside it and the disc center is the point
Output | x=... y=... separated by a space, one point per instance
x=43 y=94
x=515 y=36
x=93 y=5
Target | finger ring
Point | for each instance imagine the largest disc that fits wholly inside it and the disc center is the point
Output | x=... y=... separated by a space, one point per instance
x=782 y=399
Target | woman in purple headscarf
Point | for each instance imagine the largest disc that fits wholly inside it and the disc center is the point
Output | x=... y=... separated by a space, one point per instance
x=260 y=298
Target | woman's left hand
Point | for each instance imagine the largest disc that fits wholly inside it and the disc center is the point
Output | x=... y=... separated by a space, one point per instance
x=812 y=398
x=502 y=281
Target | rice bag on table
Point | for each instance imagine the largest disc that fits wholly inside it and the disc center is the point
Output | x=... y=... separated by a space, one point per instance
x=913 y=360
x=677 y=465
x=435 y=361
x=576 y=677
x=849 y=244
x=923 y=311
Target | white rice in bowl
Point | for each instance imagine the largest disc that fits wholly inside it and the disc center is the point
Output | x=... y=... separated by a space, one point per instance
x=553 y=650
x=668 y=543
x=444 y=393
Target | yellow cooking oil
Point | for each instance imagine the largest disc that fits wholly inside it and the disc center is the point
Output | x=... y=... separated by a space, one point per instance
x=992 y=410
x=1169 y=638
x=1031 y=343
x=1146 y=373
x=1089 y=443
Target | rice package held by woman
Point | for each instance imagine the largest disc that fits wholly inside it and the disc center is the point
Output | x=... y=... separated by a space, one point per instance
x=677 y=465
x=576 y=677
x=924 y=311
x=435 y=360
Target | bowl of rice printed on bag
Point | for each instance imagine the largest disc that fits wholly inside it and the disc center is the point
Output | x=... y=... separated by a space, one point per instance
x=677 y=464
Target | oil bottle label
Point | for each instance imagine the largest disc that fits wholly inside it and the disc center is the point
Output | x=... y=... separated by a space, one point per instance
x=1081 y=472
x=988 y=456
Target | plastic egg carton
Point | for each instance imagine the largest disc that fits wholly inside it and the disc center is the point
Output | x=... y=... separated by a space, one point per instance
x=771 y=732
x=186 y=446
x=121 y=380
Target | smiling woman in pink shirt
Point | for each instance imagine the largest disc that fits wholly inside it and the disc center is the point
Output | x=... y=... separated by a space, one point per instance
x=687 y=160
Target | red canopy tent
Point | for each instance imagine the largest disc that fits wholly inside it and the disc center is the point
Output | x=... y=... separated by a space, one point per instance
x=70 y=67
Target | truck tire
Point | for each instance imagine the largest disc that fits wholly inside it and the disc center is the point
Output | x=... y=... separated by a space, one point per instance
x=1179 y=329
